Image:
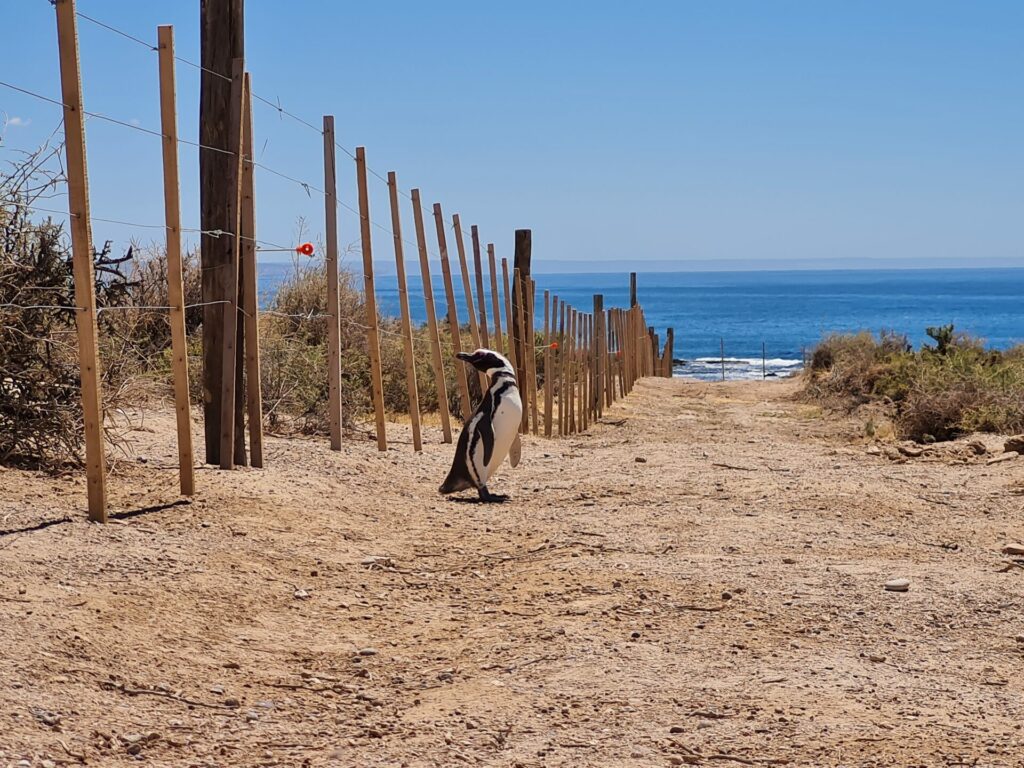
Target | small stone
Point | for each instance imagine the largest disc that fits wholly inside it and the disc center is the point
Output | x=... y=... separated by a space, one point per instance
x=1014 y=550
x=788 y=561
x=1019 y=639
x=300 y=594
x=977 y=447
x=874 y=450
x=911 y=450
x=233 y=703
x=367 y=651
x=640 y=460
x=1015 y=444
x=131 y=738
x=232 y=665
x=48 y=764
x=876 y=658
x=251 y=716
x=677 y=729
x=897 y=585
x=134 y=749
x=727 y=595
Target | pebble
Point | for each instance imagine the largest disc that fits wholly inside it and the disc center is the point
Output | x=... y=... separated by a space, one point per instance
x=48 y=764
x=788 y=561
x=300 y=594
x=218 y=689
x=897 y=585
x=251 y=716
x=640 y=460
x=367 y=651
x=876 y=658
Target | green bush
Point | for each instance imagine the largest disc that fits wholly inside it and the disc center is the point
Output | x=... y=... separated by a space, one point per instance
x=936 y=393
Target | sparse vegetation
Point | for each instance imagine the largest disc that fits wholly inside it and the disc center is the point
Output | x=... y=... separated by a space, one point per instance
x=935 y=393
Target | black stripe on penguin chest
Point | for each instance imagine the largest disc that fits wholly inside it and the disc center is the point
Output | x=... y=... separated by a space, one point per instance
x=483 y=420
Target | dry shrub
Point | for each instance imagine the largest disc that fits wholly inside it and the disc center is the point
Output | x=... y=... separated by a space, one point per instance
x=936 y=393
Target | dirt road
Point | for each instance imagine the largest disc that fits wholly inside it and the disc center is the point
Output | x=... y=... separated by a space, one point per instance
x=698 y=581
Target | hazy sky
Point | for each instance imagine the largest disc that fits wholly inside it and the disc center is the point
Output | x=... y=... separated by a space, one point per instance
x=648 y=130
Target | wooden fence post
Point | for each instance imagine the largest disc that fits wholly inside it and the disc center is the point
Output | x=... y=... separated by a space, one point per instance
x=670 y=349
x=370 y=297
x=403 y=302
x=250 y=291
x=495 y=309
x=229 y=360
x=523 y=254
x=510 y=322
x=467 y=289
x=548 y=368
x=333 y=299
x=481 y=295
x=531 y=346
x=526 y=389
x=428 y=300
x=632 y=289
x=453 y=314
x=81 y=254
x=600 y=339
x=175 y=281
x=563 y=349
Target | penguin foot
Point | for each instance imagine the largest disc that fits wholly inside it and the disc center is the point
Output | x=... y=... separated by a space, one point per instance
x=491 y=498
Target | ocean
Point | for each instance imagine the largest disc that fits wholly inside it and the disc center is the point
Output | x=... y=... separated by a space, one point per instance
x=780 y=314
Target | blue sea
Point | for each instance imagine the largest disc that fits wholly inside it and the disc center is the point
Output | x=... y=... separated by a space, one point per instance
x=779 y=315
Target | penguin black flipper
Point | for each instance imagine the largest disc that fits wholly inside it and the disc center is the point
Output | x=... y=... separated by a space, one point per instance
x=458 y=476
x=484 y=428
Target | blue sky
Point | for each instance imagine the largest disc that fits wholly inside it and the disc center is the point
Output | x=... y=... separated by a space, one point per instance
x=678 y=130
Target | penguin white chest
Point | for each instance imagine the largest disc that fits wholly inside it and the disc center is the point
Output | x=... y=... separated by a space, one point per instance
x=505 y=426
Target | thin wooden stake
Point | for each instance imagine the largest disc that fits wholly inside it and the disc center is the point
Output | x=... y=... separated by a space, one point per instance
x=229 y=361
x=81 y=254
x=175 y=279
x=510 y=322
x=428 y=299
x=495 y=309
x=250 y=291
x=526 y=388
x=481 y=296
x=467 y=289
x=600 y=363
x=403 y=301
x=548 y=367
x=333 y=294
x=453 y=314
x=531 y=346
x=370 y=297
x=563 y=349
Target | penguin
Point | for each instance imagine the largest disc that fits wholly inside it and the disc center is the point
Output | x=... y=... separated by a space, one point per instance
x=490 y=433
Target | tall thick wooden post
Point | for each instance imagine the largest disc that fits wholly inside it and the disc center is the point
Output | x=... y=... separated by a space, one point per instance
x=632 y=289
x=370 y=297
x=523 y=254
x=81 y=255
x=175 y=280
x=222 y=28
x=403 y=302
x=334 y=414
x=428 y=301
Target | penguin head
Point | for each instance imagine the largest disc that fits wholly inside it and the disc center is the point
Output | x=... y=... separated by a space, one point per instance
x=487 y=361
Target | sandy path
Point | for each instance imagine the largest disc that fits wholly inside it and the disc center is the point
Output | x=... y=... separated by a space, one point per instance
x=334 y=610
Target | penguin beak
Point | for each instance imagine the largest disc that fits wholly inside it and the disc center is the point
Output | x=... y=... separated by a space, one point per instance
x=466 y=356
